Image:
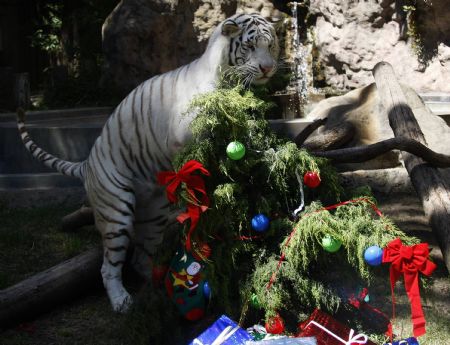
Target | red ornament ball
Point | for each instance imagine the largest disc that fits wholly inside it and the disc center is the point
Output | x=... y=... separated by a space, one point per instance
x=275 y=325
x=311 y=179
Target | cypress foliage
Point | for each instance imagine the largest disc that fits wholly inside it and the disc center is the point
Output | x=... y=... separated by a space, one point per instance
x=266 y=181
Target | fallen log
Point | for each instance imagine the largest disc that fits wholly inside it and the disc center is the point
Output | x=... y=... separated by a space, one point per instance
x=45 y=290
x=427 y=180
x=82 y=217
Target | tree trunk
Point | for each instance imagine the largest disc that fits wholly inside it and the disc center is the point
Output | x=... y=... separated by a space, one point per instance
x=50 y=288
x=427 y=180
x=21 y=91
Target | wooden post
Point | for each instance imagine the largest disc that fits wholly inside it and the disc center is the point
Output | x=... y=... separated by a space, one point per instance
x=47 y=289
x=427 y=180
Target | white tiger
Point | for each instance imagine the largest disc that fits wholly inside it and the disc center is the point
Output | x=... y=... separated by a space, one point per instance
x=141 y=137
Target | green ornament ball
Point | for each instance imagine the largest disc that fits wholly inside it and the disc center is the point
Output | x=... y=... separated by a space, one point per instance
x=254 y=301
x=235 y=150
x=331 y=244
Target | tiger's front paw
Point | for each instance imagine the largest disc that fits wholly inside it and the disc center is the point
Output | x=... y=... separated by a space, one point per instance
x=122 y=303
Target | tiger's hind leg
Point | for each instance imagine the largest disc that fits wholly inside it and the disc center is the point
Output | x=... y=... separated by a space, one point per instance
x=153 y=217
x=114 y=217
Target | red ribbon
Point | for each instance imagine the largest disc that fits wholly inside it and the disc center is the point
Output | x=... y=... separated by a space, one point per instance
x=193 y=212
x=409 y=260
x=194 y=185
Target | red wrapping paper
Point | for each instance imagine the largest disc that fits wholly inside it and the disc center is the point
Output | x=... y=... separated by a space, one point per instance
x=306 y=329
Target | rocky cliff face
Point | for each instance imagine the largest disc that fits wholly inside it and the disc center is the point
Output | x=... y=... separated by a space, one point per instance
x=352 y=36
x=142 y=38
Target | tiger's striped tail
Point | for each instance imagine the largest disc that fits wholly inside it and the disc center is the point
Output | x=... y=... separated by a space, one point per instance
x=74 y=169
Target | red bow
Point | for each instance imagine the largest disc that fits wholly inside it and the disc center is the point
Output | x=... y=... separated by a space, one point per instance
x=173 y=179
x=193 y=184
x=409 y=260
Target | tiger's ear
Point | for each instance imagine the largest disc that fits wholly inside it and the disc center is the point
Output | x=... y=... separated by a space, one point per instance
x=230 y=28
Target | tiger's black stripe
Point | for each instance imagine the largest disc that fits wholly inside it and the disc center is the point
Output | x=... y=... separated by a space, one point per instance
x=120 y=233
x=109 y=219
x=116 y=263
x=117 y=249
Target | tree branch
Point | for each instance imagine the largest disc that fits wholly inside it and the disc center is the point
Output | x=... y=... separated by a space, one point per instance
x=364 y=153
x=308 y=130
x=332 y=138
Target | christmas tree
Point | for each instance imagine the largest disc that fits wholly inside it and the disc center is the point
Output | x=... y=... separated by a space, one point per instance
x=272 y=247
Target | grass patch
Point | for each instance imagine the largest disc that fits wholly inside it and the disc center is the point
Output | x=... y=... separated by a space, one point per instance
x=86 y=321
x=31 y=241
x=436 y=308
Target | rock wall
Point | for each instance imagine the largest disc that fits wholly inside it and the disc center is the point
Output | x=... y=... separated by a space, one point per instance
x=352 y=36
x=142 y=38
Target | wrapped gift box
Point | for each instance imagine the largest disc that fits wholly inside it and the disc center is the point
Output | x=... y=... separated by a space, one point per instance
x=328 y=331
x=224 y=332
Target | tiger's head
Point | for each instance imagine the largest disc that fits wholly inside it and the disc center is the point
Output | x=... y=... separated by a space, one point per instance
x=254 y=48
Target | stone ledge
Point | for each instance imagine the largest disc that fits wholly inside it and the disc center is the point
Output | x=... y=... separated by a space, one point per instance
x=57 y=113
x=67 y=197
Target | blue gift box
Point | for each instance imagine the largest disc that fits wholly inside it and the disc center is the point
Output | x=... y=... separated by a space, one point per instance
x=408 y=341
x=224 y=331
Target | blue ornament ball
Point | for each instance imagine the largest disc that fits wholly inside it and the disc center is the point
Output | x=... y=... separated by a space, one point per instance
x=373 y=255
x=260 y=222
x=206 y=290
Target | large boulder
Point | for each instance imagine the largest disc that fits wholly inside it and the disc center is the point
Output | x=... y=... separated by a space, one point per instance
x=352 y=36
x=362 y=108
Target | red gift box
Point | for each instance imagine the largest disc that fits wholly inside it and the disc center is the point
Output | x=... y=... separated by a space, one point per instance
x=328 y=331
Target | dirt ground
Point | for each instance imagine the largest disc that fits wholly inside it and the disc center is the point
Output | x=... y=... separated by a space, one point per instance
x=407 y=212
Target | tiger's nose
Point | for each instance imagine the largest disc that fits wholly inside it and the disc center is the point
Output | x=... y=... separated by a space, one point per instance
x=266 y=68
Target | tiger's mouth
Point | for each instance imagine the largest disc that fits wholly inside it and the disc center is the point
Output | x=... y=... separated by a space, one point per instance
x=262 y=79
